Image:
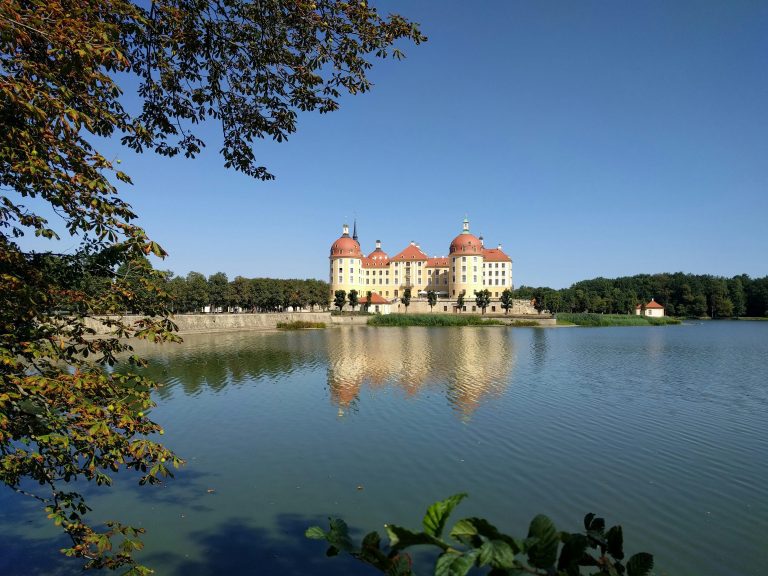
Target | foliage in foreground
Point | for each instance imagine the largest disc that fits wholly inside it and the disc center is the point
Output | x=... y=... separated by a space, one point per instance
x=475 y=542
x=299 y=325
x=65 y=415
x=586 y=319
x=430 y=320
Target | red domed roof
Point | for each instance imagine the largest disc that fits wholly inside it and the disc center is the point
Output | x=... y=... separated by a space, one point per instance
x=466 y=243
x=346 y=247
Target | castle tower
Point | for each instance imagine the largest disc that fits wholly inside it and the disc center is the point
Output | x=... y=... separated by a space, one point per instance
x=346 y=264
x=465 y=260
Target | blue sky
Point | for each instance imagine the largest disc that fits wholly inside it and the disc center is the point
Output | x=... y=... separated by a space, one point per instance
x=589 y=138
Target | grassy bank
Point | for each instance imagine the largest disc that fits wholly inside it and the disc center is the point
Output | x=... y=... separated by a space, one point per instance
x=585 y=319
x=431 y=320
x=299 y=325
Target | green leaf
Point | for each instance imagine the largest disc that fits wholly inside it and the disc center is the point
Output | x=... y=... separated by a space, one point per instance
x=338 y=535
x=597 y=525
x=437 y=514
x=543 y=552
x=640 y=564
x=497 y=554
x=315 y=533
x=400 y=538
x=464 y=531
x=451 y=564
x=400 y=565
x=614 y=539
x=574 y=547
x=588 y=520
x=371 y=540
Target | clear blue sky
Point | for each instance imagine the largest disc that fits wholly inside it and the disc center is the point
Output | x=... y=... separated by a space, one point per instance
x=590 y=138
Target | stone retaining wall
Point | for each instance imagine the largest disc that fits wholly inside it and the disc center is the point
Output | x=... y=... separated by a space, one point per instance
x=189 y=323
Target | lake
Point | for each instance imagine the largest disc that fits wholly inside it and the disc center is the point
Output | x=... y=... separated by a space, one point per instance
x=661 y=429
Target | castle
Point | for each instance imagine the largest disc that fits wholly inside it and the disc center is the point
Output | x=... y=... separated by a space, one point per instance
x=469 y=267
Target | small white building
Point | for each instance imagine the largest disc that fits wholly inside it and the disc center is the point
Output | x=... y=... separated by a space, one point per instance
x=378 y=305
x=652 y=309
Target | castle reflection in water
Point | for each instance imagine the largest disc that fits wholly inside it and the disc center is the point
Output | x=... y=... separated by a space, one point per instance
x=469 y=364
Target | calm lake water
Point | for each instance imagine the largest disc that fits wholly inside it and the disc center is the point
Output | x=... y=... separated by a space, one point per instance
x=661 y=429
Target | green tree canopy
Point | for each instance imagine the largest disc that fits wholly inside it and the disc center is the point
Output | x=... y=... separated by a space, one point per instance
x=406 y=298
x=250 y=66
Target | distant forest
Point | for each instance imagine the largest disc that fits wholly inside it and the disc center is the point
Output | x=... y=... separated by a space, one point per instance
x=688 y=295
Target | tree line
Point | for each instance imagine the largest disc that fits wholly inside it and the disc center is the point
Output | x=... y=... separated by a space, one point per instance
x=688 y=295
x=195 y=292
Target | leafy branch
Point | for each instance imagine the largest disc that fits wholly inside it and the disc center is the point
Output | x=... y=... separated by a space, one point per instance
x=476 y=543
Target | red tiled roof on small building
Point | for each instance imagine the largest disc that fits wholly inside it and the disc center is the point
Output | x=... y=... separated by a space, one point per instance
x=651 y=304
x=375 y=299
x=411 y=252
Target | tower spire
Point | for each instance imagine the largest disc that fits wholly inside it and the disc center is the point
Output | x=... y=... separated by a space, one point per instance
x=354 y=230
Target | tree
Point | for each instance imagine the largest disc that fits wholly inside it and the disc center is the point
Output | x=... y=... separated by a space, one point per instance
x=483 y=299
x=460 y=301
x=197 y=292
x=218 y=290
x=368 y=298
x=339 y=299
x=250 y=67
x=406 y=299
x=431 y=299
x=353 y=299
x=506 y=300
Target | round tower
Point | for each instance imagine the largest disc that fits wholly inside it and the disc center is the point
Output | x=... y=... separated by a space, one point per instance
x=346 y=264
x=465 y=264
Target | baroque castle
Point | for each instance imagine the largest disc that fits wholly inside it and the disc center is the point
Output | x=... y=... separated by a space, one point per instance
x=469 y=267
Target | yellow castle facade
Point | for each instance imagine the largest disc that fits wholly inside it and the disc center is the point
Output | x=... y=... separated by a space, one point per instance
x=469 y=267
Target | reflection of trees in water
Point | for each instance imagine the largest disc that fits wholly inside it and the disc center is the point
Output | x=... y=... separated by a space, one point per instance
x=471 y=363
x=539 y=347
x=214 y=361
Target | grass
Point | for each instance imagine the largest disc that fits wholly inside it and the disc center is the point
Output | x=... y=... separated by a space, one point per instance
x=586 y=319
x=431 y=320
x=524 y=323
x=299 y=325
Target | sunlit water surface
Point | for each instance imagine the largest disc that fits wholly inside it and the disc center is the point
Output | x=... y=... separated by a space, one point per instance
x=661 y=429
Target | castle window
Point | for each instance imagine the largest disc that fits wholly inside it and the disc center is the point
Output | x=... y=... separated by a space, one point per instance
x=502 y=281
x=475 y=258
x=463 y=278
x=474 y=279
x=463 y=258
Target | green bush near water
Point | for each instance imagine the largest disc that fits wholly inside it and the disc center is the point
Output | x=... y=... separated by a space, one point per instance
x=299 y=325
x=431 y=320
x=587 y=319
